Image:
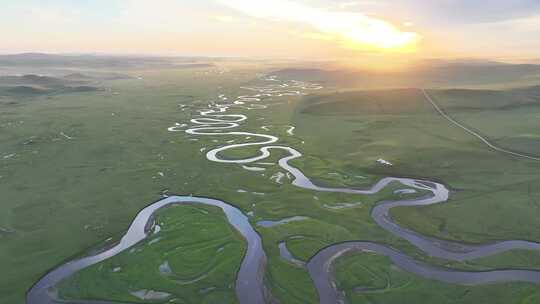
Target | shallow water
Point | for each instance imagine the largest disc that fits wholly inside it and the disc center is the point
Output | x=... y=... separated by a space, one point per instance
x=380 y=213
x=249 y=285
x=269 y=224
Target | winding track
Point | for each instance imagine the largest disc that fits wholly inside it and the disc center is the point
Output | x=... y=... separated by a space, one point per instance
x=473 y=133
x=319 y=265
x=249 y=286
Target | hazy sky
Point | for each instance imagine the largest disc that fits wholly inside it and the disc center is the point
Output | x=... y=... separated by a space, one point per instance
x=322 y=29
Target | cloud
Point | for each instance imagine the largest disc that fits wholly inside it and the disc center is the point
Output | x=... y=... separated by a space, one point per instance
x=467 y=11
x=46 y=16
x=223 y=18
x=361 y=4
x=354 y=30
x=345 y=5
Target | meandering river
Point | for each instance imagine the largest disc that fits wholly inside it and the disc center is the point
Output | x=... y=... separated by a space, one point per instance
x=216 y=121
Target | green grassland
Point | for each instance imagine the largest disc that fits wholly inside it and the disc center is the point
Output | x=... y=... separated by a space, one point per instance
x=196 y=243
x=371 y=278
x=31 y=85
x=508 y=118
x=63 y=195
x=494 y=196
x=488 y=187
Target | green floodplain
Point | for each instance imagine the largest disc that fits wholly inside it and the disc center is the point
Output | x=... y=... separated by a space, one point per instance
x=79 y=160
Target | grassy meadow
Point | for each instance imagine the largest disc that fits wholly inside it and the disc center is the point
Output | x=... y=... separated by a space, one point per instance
x=75 y=168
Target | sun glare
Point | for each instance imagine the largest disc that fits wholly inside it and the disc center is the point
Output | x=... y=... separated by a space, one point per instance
x=362 y=32
x=383 y=38
x=353 y=30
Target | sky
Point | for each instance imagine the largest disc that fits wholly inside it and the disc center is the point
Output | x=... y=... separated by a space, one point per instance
x=380 y=30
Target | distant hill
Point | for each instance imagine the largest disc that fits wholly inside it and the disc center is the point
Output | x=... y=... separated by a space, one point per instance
x=31 y=79
x=393 y=101
x=427 y=74
x=309 y=74
x=36 y=84
x=96 y=76
x=24 y=90
x=477 y=100
x=98 y=61
x=78 y=76
x=81 y=89
x=531 y=91
x=48 y=60
x=194 y=65
x=477 y=73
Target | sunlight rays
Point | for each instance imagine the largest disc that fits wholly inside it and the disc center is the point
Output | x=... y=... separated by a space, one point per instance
x=352 y=30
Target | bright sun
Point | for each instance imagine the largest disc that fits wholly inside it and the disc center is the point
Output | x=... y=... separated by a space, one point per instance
x=382 y=36
x=354 y=30
x=358 y=31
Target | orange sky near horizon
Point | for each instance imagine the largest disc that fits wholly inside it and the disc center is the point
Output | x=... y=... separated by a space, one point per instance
x=360 y=32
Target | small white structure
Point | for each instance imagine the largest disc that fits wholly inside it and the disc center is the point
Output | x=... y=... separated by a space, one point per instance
x=384 y=162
